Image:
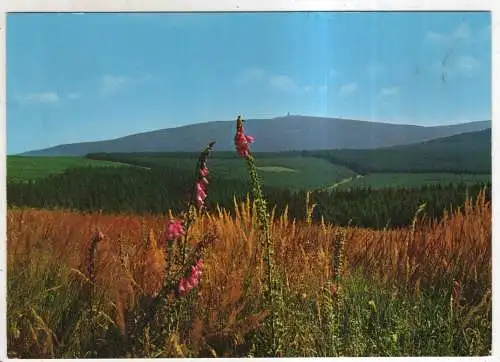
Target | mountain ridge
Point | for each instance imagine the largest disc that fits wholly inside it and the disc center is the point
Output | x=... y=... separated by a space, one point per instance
x=272 y=135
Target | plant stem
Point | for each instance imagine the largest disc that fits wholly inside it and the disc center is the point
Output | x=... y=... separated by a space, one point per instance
x=267 y=243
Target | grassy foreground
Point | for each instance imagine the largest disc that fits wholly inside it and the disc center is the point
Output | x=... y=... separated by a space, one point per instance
x=422 y=291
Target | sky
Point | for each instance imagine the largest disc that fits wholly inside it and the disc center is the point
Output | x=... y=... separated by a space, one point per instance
x=88 y=77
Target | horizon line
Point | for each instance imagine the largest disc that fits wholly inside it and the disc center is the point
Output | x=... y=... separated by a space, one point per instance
x=289 y=115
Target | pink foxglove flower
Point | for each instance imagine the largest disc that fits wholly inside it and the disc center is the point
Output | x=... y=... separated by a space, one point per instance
x=175 y=229
x=184 y=286
x=191 y=281
x=241 y=140
x=204 y=171
x=201 y=194
x=200 y=191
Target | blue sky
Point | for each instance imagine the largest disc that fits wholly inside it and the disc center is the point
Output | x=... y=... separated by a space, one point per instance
x=86 y=77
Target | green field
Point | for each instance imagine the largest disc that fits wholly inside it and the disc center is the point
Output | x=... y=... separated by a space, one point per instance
x=20 y=168
x=298 y=173
x=295 y=173
x=383 y=180
x=291 y=171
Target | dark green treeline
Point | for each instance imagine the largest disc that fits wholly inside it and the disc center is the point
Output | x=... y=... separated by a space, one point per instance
x=135 y=190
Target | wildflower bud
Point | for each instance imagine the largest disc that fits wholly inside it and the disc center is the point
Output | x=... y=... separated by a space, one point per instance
x=193 y=280
x=201 y=193
x=241 y=140
x=204 y=181
x=204 y=171
x=175 y=229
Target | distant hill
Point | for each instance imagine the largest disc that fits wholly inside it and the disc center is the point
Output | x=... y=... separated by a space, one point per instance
x=273 y=135
x=464 y=153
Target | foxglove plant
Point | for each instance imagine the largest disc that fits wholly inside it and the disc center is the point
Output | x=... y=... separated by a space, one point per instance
x=242 y=142
x=199 y=195
x=177 y=230
x=183 y=279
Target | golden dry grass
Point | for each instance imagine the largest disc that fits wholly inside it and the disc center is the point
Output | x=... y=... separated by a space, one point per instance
x=130 y=259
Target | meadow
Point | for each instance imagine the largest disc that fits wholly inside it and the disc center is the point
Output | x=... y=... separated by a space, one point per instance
x=20 y=168
x=200 y=257
x=419 y=291
x=286 y=171
x=411 y=180
x=400 y=167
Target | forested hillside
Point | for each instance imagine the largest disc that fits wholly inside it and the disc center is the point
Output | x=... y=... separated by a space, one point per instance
x=136 y=190
x=464 y=153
